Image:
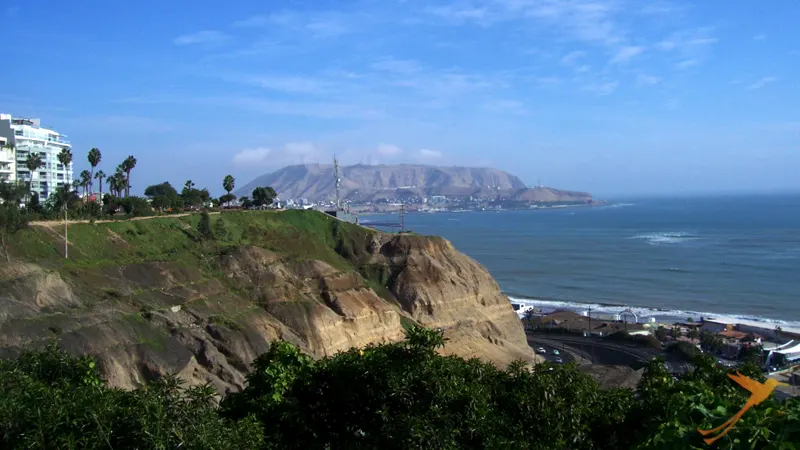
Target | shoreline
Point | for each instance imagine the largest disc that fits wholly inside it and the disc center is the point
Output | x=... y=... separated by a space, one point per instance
x=661 y=315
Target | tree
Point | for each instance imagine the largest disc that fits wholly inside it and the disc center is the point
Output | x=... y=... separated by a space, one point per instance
x=128 y=165
x=94 y=157
x=12 y=219
x=162 y=196
x=86 y=181
x=32 y=163
x=99 y=176
x=204 y=226
x=245 y=202
x=661 y=334
x=263 y=196
x=117 y=183
x=693 y=334
x=228 y=183
x=710 y=341
x=65 y=158
x=220 y=230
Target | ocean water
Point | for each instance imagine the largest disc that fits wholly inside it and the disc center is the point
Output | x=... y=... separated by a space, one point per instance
x=734 y=257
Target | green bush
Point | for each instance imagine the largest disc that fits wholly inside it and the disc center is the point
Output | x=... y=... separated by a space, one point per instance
x=392 y=396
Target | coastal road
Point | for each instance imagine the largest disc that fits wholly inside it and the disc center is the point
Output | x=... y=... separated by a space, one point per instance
x=599 y=351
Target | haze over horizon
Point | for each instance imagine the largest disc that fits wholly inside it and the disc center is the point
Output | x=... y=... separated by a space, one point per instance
x=606 y=96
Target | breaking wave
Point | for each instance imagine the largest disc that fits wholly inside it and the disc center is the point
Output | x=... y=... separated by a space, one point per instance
x=661 y=238
x=660 y=315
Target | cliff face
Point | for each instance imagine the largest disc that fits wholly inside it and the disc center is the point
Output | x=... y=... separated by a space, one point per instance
x=147 y=299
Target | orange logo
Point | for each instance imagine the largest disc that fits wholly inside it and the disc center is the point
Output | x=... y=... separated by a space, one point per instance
x=758 y=393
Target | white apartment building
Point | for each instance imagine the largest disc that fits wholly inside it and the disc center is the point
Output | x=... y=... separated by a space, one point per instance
x=8 y=170
x=27 y=136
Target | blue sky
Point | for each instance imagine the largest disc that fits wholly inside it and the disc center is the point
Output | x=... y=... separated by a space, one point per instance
x=609 y=96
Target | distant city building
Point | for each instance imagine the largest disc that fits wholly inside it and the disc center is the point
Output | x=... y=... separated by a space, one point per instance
x=8 y=172
x=27 y=136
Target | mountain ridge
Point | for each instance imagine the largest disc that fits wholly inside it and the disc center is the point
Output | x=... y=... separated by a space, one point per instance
x=360 y=182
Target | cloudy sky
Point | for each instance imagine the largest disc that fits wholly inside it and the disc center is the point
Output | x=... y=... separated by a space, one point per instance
x=610 y=96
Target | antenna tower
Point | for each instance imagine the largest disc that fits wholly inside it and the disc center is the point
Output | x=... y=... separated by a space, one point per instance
x=336 y=176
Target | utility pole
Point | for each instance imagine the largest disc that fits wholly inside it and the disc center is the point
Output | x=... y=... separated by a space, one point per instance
x=66 y=236
x=402 y=217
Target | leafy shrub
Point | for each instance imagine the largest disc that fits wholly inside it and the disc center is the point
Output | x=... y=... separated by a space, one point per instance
x=393 y=396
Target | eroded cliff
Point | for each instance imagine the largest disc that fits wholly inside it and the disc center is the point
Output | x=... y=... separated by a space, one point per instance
x=149 y=297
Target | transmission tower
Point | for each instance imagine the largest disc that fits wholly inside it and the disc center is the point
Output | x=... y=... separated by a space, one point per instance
x=338 y=180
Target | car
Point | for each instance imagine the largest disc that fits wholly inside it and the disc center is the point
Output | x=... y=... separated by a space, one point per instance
x=555 y=352
x=559 y=360
x=541 y=350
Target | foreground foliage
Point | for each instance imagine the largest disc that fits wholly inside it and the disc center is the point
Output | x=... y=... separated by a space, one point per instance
x=393 y=396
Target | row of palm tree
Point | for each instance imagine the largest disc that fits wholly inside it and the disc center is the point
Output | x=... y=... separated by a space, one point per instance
x=118 y=183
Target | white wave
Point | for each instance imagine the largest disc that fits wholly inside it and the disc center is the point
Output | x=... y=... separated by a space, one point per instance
x=666 y=237
x=617 y=205
x=658 y=314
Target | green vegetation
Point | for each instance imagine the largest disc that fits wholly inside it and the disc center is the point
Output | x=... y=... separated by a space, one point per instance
x=392 y=396
x=263 y=196
x=294 y=235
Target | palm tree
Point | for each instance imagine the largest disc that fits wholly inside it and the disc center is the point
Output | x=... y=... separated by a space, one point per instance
x=100 y=175
x=86 y=181
x=228 y=183
x=33 y=162
x=65 y=158
x=117 y=183
x=128 y=165
x=94 y=159
x=112 y=184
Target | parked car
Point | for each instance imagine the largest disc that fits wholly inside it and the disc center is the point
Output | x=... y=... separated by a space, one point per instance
x=555 y=352
x=541 y=350
x=559 y=360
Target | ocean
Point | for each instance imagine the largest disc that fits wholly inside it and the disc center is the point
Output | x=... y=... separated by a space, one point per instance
x=667 y=258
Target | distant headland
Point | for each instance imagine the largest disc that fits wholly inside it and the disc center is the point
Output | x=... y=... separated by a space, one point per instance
x=374 y=188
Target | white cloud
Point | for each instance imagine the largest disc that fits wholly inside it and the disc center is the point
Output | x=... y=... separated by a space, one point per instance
x=389 y=150
x=759 y=37
x=318 y=25
x=762 y=82
x=647 y=80
x=283 y=83
x=252 y=157
x=625 y=54
x=201 y=37
x=572 y=57
x=602 y=89
x=688 y=47
x=687 y=63
x=590 y=21
x=290 y=153
x=428 y=154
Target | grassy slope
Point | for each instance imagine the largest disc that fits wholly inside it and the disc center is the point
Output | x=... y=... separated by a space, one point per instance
x=293 y=234
x=97 y=248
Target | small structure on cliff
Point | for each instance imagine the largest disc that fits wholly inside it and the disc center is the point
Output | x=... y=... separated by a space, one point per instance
x=340 y=213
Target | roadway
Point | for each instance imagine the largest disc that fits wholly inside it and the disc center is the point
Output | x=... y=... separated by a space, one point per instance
x=586 y=350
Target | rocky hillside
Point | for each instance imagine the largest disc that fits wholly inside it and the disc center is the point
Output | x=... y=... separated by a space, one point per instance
x=149 y=297
x=363 y=182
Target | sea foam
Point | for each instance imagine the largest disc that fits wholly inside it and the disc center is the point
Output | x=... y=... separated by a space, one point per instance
x=661 y=315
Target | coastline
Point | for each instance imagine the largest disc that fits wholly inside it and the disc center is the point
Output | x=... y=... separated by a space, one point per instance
x=660 y=315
